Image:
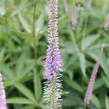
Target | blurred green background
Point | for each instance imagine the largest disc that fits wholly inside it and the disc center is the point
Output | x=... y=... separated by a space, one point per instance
x=23 y=44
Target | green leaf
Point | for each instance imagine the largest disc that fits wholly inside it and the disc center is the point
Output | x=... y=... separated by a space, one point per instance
x=37 y=86
x=24 y=23
x=106 y=80
x=88 y=41
x=20 y=64
x=96 y=102
x=23 y=65
x=103 y=62
x=22 y=34
x=71 y=100
x=39 y=23
x=18 y=100
x=107 y=102
x=82 y=63
x=9 y=82
x=29 y=107
x=2 y=7
x=99 y=83
x=25 y=91
x=72 y=84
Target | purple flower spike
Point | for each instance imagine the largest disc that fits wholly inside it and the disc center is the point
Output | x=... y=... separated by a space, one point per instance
x=53 y=62
x=2 y=95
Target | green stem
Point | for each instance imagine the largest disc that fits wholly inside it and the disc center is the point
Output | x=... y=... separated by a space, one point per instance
x=73 y=34
x=74 y=42
x=84 y=30
x=36 y=77
x=53 y=96
x=85 y=107
x=73 y=39
x=33 y=35
x=53 y=90
x=85 y=26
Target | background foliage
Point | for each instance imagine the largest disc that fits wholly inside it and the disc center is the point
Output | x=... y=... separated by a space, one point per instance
x=23 y=34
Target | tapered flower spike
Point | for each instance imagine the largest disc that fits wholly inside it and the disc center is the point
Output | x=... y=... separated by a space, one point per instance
x=66 y=5
x=89 y=4
x=89 y=90
x=2 y=95
x=106 y=23
x=74 y=15
x=53 y=62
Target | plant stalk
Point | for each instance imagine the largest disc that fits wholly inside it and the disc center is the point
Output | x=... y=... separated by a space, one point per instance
x=36 y=74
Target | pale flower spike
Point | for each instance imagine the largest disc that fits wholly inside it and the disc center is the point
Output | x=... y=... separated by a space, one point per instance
x=74 y=15
x=3 y=104
x=89 y=4
x=66 y=5
x=106 y=23
x=89 y=90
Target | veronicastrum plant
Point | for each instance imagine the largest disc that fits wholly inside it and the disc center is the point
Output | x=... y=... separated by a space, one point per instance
x=16 y=51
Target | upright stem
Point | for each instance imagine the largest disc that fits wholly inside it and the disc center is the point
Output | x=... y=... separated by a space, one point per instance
x=84 y=29
x=33 y=35
x=36 y=74
x=85 y=26
x=85 y=107
x=53 y=94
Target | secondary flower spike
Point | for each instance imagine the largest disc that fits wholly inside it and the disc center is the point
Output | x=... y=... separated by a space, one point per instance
x=53 y=62
x=106 y=23
x=2 y=95
x=89 y=90
x=89 y=4
x=74 y=15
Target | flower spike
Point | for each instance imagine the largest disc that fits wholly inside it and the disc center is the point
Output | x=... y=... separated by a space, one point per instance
x=53 y=62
